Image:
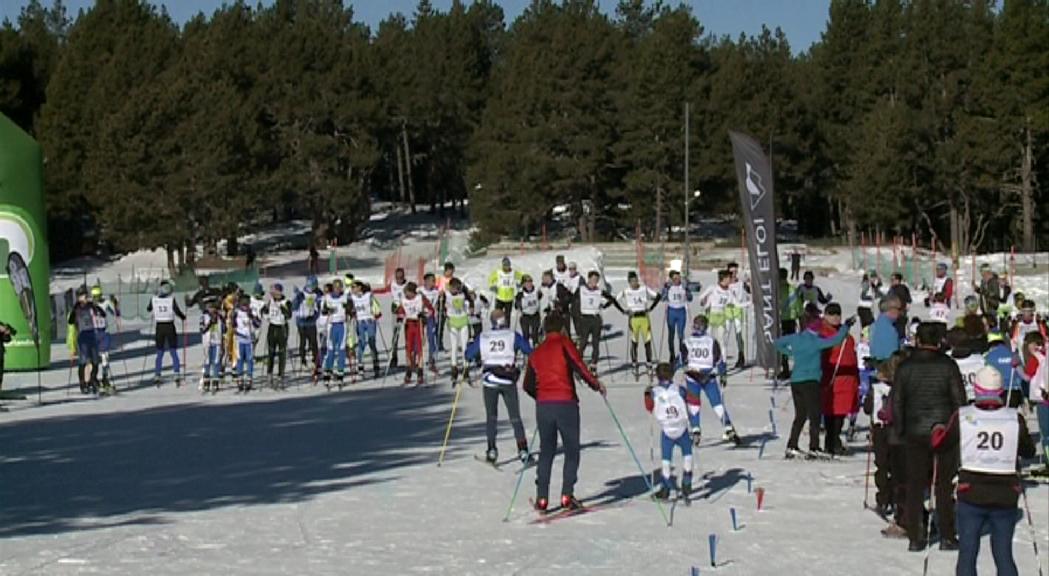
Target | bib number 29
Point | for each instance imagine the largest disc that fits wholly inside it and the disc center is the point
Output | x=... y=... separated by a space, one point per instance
x=497 y=346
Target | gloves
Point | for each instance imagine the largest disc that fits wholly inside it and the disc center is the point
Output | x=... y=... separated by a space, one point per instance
x=850 y=321
x=696 y=436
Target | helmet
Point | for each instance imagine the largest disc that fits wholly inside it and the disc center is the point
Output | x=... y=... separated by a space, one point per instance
x=166 y=288
x=311 y=282
x=941 y=266
x=96 y=292
x=259 y=290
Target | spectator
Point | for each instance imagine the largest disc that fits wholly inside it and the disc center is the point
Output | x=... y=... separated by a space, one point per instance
x=840 y=384
x=988 y=486
x=902 y=293
x=806 y=347
x=927 y=391
x=7 y=332
x=991 y=289
x=885 y=340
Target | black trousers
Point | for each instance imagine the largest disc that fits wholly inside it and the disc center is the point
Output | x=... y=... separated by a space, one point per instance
x=588 y=326
x=806 y=397
x=507 y=308
x=553 y=419
x=530 y=328
x=277 y=346
x=308 y=342
x=918 y=471
x=786 y=327
x=832 y=442
x=513 y=408
x=866 y=316
x=889 y=476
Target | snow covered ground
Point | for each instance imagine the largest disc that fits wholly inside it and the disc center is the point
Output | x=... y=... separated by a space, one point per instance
x=167 y=481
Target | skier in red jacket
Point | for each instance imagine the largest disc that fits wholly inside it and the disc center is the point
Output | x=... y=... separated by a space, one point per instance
x=549 y=380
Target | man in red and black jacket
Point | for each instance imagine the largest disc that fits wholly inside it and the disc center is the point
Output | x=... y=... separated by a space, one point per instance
x=549 y=380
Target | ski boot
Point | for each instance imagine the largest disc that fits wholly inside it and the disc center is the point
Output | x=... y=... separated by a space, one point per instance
x=157 y=381
x=569 y=502
x=433 y=367
x=663 y=493
x=327 y=379
x=376 y=371
x=455 y=376
x=360 y=371
x=491 y=456
x=525 y=457
x=339 y=376
x=686 y=488
x=541 y=505
x=178 y=380
x=249 y=385
x=205 y=386
x=282 y=382
x=215 y=384
x=792 y=453
x=420 y=377
x=240 y=384
x=730 y=434
x=741 y=363
x=407 y=377
x=697 y=436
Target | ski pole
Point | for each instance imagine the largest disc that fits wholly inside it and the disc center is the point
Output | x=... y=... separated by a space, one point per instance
x=451 y=418
x=867 y=476
x=932 y=510
x=1030 y=526
x=520 y=477
x=633 y=455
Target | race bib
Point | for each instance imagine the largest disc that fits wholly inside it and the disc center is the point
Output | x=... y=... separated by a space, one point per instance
x=989 y=439
x=670 y=410
x=164 y=309
x=969 y=366
x=700 y=353
x=497 y=348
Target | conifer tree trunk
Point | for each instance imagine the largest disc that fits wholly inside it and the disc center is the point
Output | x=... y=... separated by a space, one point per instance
x=408 y=165
x=1027 y=194
x=400 y=174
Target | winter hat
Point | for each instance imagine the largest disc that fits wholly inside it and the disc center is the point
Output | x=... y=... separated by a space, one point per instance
x=971 y=303
x=506 y=261
x=311 y=282
x=941 y=266
x=278 y=287
x=166 y=288
x=988 y=385
x=985 y=267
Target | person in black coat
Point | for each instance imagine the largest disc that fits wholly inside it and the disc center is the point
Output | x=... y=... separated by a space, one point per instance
x=927 y=391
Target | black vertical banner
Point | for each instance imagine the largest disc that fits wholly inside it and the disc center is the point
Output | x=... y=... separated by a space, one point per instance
x=759 y=216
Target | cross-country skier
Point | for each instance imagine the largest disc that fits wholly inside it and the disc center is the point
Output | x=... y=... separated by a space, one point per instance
x=1028 y=322
x=83 y=339
x=810 y=292
x=715 y=300
x=704 y=365
x=986 y=438
x=396 y=294
x=568 y=280
x=528 y=301
x=677 y=297
x=939 y=311
x=942 y=285
x=165 y=309
x=366 y=311
x=432 y=294
x=676 y=410
x=307 y=310
x=105 y=340
x=549 y=380
x=790 y=307
x=871 y=291
x=335 y=307
x=737 y=309
x=412 y=313
x=497 y=348
x=245 y=324
x=547 y=293
x=504 y=283
x=457 y=302
x=636 y=301
x=212 y=327
x=1036 y=372
x=591 y=299
x=277 y=311
x=991 y=289
x=442 y=286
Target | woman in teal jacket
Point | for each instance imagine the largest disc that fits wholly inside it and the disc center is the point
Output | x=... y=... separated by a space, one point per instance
x=806 y=347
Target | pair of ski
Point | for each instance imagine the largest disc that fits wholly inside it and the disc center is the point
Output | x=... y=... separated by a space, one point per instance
x=808 y=456
x=498 y=464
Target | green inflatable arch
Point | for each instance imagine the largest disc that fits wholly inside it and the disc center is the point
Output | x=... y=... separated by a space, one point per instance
x=23 y=229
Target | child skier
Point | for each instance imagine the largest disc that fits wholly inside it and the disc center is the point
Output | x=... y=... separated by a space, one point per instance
x=412 y=314
x=939 y=311
x=677 y=410
x=704 y=366
x=396 y=294
x=277 y=311
x=165 y=309
x=211 y=332
x=245 y=325
x=637 y=302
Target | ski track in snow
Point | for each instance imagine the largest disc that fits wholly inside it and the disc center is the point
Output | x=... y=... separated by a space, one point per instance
x=166 y=481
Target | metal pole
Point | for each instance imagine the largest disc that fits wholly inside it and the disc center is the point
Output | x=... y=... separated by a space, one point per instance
x=688 y=192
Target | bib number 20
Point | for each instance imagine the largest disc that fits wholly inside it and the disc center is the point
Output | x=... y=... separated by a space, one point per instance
x=989 y=441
